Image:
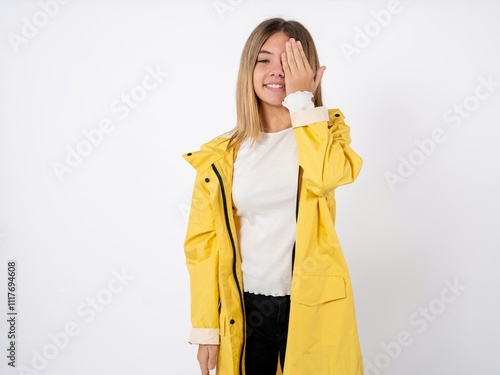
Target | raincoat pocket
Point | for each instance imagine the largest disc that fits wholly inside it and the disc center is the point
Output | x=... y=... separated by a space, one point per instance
x=312 y=290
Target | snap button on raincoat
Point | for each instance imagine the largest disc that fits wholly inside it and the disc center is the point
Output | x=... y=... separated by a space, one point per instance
x=322 y=334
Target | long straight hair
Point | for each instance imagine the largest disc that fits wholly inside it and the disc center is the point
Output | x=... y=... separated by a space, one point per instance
x=248 y=115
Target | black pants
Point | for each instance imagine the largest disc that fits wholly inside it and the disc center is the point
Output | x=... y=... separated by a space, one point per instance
x=267 y=329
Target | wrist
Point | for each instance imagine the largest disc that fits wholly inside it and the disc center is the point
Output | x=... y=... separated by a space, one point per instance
x=298 y=100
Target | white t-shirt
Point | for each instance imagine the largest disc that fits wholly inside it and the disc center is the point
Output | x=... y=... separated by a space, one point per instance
x=264 y=194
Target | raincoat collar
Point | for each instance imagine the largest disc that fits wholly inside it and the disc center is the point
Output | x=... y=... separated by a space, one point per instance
x=210 y=153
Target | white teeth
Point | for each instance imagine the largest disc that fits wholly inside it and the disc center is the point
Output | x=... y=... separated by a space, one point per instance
x=275 y=86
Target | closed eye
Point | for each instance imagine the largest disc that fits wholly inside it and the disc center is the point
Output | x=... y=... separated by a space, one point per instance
x=262 y=61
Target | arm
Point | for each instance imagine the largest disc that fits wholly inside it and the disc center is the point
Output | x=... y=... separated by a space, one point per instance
x=200 y=248
x=323 y=138
x=324 y=151
x=202 y=263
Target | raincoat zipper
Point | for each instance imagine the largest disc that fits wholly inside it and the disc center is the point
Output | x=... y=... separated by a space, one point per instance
x=226 y=215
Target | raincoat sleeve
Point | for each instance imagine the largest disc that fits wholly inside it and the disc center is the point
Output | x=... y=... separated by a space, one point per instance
x=202 y=263
x=324 y=151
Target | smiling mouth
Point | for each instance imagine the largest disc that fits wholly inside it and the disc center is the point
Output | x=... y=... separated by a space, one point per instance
x=275 y=86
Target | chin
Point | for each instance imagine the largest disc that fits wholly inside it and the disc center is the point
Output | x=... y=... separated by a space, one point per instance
x=274 y=101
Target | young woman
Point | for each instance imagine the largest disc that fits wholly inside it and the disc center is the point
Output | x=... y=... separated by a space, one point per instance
x=270 y=288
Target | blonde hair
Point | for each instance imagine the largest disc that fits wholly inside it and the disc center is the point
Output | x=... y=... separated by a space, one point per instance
x=248 y=118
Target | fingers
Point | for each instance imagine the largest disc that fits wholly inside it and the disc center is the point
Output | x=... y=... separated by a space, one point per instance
x=299 y=51
x=213 y=352
x=299 y=75
x=292 y=62
x=284 y=63
x=319 y=76
x=207 y=358
x=203 y=359
x=292 y=59
x=295 y=56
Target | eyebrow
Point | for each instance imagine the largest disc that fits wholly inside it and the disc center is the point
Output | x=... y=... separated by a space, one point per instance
x=264 y=51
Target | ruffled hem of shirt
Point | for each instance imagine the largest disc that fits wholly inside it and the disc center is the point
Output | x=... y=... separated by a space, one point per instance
x=267 y=294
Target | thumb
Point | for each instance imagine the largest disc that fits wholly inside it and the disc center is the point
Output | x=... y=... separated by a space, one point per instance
x=319 y=75
x=211 y=363
x=212 y=357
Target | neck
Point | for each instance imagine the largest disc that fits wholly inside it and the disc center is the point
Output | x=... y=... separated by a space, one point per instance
x=275 y=118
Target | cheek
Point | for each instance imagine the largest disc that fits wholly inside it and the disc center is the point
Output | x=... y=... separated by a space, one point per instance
x=257 y=78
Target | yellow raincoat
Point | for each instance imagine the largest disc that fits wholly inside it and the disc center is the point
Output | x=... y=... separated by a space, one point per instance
x=322 y=334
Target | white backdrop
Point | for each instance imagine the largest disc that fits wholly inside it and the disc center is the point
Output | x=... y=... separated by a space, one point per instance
x=99 y=99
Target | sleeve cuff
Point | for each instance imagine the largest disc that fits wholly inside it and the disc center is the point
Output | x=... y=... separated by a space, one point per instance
x=298 y=100
x=204 y=336
x=309 y=116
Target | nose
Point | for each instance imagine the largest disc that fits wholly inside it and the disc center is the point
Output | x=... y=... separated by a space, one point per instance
x=277 y=69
